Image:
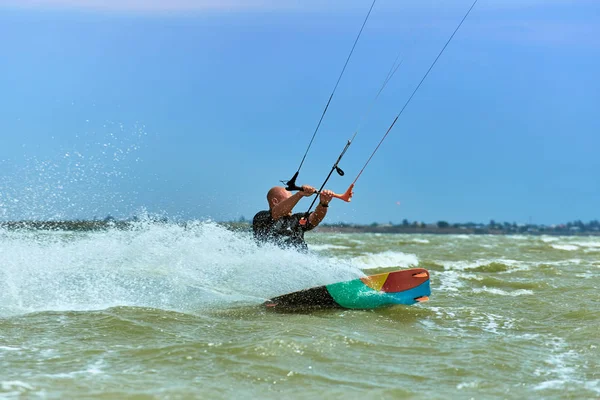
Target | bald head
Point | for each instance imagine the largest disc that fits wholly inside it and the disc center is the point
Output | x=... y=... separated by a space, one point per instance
x=276 y=195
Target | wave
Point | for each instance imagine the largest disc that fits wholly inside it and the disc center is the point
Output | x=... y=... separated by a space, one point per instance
x=413 y=241
x=468 y=319
x=588 y=245
x=493 y=267
x=325 y=247
x=490 y=281
x=482 y=265
x=570 y=245
x=549 y=239
x=518 y=237
x=500 y=292
x=15 y=388
x=565 y=247
x=385 y=259
x=454 y=275
x=450 y=282
x=559 y=370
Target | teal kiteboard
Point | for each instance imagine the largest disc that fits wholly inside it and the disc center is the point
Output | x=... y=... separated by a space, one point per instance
x=406 y=287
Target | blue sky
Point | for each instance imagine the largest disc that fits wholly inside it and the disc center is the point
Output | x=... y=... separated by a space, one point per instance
x=196 y=108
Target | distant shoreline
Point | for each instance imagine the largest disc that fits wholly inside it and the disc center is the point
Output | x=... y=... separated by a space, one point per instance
x=570 y=229
x=446 y=231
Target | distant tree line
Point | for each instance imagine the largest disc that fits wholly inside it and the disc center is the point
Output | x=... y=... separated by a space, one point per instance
x=493 y=227
x=577 y=227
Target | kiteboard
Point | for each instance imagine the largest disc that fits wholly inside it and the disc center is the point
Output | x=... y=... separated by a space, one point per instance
x=406 y=287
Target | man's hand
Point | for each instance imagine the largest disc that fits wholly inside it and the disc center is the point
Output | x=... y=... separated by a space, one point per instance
x=326 y=196
x=307 y=190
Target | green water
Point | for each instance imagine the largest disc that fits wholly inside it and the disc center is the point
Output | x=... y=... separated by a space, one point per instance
x=509 y=317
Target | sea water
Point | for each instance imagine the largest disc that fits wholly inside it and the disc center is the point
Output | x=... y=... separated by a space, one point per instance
x=173 y=311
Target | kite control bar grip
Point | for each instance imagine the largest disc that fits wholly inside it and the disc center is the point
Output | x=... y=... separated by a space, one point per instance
x=291 y=184
x=293 y=188
x=347 y=196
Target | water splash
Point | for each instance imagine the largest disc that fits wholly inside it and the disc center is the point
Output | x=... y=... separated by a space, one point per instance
x=162 y=265
x=79 y=181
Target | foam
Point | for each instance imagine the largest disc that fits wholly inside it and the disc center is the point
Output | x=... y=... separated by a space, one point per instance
x=586 y=275
x=587 y=244
x=500 y=292
x=325 y=247
x=493 y=323
x=588 y=247
x=8 y=348
x=593 y=386
x=385 y=259
x=565 y=247
x=468 y=265
x=464 y=319
x=449 y=282
x=467 y=385
x=560 y=367
x=356 y=241
x=518 y=237
x=16 y=386
x=549 y=239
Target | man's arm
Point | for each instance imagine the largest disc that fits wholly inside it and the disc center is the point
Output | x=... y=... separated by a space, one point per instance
x=317 y=216
x=286 y=206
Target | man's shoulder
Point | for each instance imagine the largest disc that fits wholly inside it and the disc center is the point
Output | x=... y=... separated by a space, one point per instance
x=262 y=216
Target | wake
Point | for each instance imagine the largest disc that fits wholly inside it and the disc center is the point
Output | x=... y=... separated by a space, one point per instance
x=159 y=265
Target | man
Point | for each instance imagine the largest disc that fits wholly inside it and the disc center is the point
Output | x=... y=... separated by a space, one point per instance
x=278 y=225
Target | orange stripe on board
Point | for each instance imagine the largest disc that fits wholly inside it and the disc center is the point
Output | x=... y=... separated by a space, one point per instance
x=375 y=281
